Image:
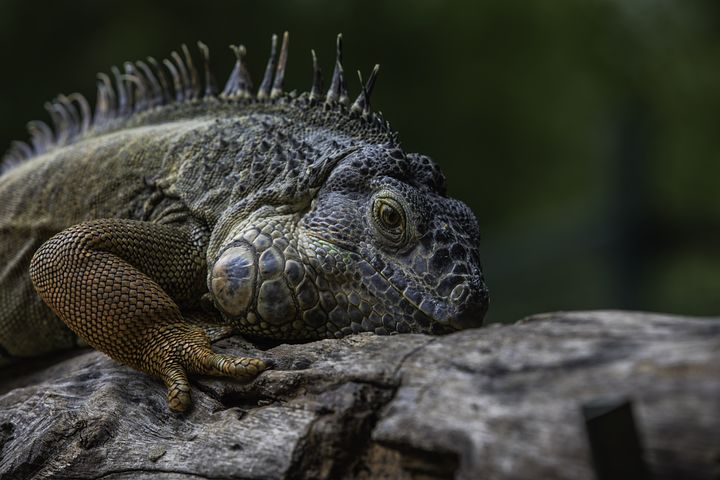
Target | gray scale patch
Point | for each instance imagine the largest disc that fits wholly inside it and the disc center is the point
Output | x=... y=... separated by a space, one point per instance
x=321 y=283
x=419 y=265
x=354 y=298
x=413 y=295
x=281 y=243
x=393 y=296
x=307 y=295
x=315 y=317
x=262 y=242
x=388 y=322
x=365 y=308
x=327 y=300
x=366 y=269
x=338 y=317
x=294 y=272
x=377 y=282
x=421 y=319
x=341 y=300
x=272 y=263
x=275 y=303
x=251 y=234
x=355 y=315
x=291 y=252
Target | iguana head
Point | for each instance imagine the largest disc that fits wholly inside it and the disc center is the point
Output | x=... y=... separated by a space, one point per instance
x=341 y=231
x=400 y=255
x=380 y=247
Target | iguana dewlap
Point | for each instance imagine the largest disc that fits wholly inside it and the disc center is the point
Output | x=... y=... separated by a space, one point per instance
x=285 y=216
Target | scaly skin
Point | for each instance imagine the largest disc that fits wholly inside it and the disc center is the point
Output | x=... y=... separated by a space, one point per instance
x=113 y=283
x=298 y=217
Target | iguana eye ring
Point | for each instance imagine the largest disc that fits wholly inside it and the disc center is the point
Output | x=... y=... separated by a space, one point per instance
x=389 y=218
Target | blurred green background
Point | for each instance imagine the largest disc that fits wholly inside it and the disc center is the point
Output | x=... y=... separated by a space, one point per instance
x=584 y=134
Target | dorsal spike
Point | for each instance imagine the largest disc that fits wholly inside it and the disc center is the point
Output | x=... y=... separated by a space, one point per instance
x=245 y=83
x=41 y=135
x=317 y=84
x=239 y=83
x=60 y=119
x=122 y=97
x=140 y=103
x=231 y=86
x=264 y=90
x=280 y=70
x=55 y=120
x=338 y=90
x=362 y=103
x=102 y=104
x=210 y=85
x=67 y=125
x=85 y=112
x=22 y=148
x=156 y=96
x=184 y=77
x=110 y=91
x=73 y=116
x=370 y=85
x=138 y=97
x=194 y=84
x=177 y=81
x=162 y=78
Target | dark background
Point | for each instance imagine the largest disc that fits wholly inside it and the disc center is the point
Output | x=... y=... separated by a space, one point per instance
x=584 y=134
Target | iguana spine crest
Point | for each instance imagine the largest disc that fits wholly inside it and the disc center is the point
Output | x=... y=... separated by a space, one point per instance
x=144 y=86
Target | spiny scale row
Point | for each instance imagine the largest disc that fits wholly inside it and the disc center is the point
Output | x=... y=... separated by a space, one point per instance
x=142 y=86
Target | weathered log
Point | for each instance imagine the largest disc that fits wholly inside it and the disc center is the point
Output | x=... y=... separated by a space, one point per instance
x=500 y=402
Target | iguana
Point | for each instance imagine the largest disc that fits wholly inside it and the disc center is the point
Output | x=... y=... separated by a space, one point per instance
x=286 y=216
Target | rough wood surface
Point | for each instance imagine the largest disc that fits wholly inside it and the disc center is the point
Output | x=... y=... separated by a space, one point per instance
x=499 y=403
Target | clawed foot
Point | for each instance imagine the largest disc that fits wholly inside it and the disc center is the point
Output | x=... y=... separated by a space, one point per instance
x=192 y=355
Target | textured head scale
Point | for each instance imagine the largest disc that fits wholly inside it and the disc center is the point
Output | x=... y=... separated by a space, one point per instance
x=322 y=225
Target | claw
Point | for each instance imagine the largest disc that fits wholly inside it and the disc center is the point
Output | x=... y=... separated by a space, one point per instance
x=238 y=367
x=178 y=395
x=196 y=357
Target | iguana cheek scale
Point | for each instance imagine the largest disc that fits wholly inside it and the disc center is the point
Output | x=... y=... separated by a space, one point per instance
x=297 y=216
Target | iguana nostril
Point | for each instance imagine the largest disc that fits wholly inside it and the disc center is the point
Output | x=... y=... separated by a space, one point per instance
x=233 y=279
x=459 y=293
x=471 y=308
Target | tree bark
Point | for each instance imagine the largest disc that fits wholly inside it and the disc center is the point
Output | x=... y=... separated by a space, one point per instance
x=502 y=402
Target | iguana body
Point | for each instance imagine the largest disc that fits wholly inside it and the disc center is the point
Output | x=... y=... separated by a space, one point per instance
x=288 y=217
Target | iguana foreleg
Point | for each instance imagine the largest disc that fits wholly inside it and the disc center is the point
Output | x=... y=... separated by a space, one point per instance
x=115 y=283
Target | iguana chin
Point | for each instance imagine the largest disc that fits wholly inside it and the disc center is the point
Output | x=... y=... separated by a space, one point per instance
x=292 y=216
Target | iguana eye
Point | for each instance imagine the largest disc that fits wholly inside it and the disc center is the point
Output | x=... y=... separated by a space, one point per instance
x=389 y=218
x=389 y=215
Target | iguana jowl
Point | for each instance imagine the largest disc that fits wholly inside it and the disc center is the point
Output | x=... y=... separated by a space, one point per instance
x=293 y=216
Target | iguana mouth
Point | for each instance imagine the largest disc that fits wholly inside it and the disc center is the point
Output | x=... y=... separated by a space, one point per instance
x=473 y=312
